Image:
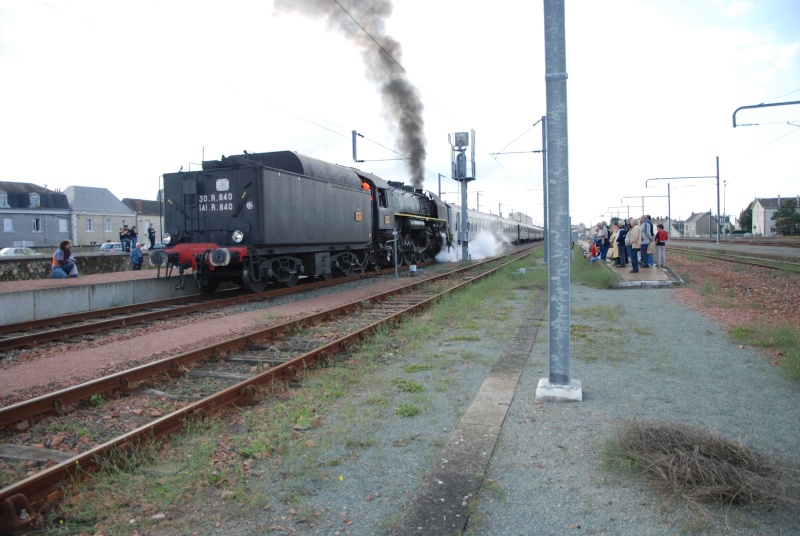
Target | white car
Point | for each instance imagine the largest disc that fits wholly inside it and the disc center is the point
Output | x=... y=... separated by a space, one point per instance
x=18 y=251
x=110 y=247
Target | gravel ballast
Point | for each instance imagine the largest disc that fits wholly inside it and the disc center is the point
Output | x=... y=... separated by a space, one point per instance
x=644 y=357
x=639 y=355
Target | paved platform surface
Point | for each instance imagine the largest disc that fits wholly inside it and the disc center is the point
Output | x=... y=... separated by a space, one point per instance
x=21 y=301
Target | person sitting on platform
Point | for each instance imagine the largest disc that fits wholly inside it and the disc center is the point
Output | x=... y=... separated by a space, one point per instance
x=593 y=255
x=64 y=262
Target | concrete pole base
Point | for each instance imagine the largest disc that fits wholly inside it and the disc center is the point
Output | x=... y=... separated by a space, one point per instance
x=551 y=392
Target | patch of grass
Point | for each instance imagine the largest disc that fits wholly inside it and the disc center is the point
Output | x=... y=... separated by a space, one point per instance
x=467 y=338
x=782 y=342
x=493 y=488
x=407 y=410
x=580 y=331
x=409 y=386
x=592 y=275
x=410 y=369
x=706 y=288
x=360 y=443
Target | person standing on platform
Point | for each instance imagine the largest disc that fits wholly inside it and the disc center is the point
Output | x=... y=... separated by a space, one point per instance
x=636 y=244
x=137 y=257
x=661 y=246
x=134 y=237
x=622 y=261
x=151 y=236
x=125 y=237
x=646 y=229
x=64 y=262
x=613 y=253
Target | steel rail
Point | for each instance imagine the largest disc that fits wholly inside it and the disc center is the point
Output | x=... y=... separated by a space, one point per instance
x=741 y=259
x=173 y=365
x=39 y=486
x=196 y=305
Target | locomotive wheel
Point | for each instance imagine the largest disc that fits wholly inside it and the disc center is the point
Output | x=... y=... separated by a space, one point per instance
x=208 y=284
x=326 y=277
x=250 y=284
x=346 y=265
x=292 y=280
x=407 y=255
x=362 y=261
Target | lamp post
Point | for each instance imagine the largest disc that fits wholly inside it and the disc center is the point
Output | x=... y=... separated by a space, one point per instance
x=701 y=177
x=724 y=204
x=622 y=206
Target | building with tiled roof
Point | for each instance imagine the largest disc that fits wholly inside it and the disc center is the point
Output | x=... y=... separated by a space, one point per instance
x=33 y=216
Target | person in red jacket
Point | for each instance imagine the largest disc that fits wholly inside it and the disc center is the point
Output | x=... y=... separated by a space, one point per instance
x=594 y=254
x=661 y=246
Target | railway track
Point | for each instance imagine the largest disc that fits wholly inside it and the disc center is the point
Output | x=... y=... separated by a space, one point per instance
x=192 y=385
x=740 y=241
x=739 y=258
x=35 y=333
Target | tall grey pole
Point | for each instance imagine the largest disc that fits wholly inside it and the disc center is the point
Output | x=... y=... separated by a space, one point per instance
x=669 y=211
x=464 y=237
x=544 y=188
x=718 y=222
x=440 y=185
x=558 y=228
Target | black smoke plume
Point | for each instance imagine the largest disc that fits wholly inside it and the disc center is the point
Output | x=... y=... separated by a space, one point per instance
x=400 y=98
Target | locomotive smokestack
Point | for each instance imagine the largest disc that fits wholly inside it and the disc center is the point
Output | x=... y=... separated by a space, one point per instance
x=400 y=97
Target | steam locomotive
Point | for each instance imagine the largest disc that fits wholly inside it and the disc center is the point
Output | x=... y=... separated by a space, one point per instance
x=262 y=217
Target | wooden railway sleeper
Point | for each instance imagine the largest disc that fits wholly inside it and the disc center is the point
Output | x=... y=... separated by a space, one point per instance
x=16 y=514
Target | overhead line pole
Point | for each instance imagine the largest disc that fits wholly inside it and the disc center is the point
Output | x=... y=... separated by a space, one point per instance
x=701 y=177
x=557 y=386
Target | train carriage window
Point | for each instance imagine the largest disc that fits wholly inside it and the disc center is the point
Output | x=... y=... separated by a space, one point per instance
x=382 y=198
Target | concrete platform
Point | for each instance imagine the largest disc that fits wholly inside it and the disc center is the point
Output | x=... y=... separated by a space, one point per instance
x=646 y=277
x=21 y=301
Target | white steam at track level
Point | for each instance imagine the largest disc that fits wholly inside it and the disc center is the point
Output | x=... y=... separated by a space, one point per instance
x=483 y=246
x=401 y=99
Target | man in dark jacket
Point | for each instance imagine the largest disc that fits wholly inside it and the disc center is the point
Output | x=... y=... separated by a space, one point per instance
x=151 y=236
x=622 y=260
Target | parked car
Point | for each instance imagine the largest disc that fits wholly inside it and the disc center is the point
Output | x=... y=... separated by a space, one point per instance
x=158 y=245
x=111 y=247
x=18 y=251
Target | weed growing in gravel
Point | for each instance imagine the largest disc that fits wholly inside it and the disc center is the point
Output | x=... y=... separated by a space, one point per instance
x=410 y=369
x=407 y=410
x=409 y=386
x=706 y=288
x=473 y=338
x=782 y=342
x=495 y=489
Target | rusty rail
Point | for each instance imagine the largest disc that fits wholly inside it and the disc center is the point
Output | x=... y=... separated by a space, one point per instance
x=44 y=483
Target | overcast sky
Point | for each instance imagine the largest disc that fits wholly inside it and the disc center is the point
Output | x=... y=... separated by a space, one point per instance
x=115 y=93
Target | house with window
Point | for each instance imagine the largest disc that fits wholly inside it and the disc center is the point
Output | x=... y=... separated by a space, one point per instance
x=33 y=216
x=700 y=225
x=147 y=212
x=97 y=215
x=764 y=209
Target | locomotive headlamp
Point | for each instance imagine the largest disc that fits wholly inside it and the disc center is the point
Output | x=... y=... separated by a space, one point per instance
x=166 y=239
x=237 y=236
